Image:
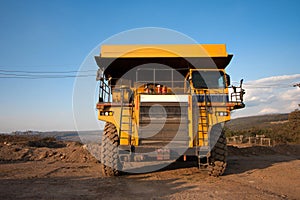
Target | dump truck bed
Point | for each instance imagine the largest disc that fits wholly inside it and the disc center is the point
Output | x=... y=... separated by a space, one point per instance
x=116 y=60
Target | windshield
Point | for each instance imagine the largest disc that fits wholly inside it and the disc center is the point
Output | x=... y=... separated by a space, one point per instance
x=208 y=79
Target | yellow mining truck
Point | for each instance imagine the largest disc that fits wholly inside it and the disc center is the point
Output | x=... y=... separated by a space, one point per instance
x=165 y=101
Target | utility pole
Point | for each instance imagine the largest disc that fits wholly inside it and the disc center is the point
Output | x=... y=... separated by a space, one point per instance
x=297 y=85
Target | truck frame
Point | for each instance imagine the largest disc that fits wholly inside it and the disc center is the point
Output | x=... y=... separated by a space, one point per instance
x=165 y=101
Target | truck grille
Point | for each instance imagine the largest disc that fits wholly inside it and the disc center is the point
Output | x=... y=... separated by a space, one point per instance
x=163 y=124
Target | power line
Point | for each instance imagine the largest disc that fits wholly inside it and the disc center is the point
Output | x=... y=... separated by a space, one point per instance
x=25 y=74
x=39 y=66
x=47 y=72
x=46 y=77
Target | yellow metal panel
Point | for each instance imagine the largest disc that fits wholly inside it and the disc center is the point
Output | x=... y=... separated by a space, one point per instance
x=190 y=120
x=180 y=50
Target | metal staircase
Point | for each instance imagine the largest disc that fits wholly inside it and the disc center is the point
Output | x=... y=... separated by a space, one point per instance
x=203 y=128
x=125 y=117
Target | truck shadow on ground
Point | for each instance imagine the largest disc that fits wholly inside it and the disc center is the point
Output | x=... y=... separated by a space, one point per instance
x=240 y=160
x=248 y=159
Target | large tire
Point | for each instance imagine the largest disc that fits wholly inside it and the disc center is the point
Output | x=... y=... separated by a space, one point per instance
x=110 y=162
x=218 y=154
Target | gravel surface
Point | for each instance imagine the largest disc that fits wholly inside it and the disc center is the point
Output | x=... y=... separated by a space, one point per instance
x=33 y=168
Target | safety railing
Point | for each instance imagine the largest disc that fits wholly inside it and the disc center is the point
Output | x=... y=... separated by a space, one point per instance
x=237 y=95
x=163 y=80
x=104 y=90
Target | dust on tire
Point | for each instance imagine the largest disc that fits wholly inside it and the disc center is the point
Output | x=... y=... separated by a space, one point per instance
x=218 y=155
x=110 y=163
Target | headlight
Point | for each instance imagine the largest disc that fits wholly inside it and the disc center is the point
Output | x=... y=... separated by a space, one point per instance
x=106 y=113
x=222 y=113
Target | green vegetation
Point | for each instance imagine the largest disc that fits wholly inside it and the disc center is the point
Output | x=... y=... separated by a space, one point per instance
x=282 y=128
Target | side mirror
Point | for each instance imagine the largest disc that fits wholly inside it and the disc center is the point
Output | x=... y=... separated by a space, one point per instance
x=227 y=80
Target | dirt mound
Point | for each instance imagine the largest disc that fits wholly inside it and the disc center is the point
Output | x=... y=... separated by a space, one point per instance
x=46 y=142
x=247 y=151
x=34 y=148
x=17 y=139
x=284 y=149
x=14 y=148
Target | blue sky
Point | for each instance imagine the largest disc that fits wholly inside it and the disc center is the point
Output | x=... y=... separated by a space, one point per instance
x=57 y=36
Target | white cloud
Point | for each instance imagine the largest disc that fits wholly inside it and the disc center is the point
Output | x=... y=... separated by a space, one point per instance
x=271 y=95
x=268 y=110
x=291 y=94
x=276 y=79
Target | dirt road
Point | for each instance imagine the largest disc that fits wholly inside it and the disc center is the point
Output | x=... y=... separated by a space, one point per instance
x=67 y=171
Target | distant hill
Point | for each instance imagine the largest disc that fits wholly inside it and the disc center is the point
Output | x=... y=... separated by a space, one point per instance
x=85 y=136
x=282 y=128
x=261 y=121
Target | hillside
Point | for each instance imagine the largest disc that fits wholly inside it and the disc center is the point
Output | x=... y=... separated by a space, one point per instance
x=82 y=136
x=260 y=121
x=281 y=128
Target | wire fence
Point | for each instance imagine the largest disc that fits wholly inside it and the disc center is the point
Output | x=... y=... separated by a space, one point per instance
x=258 y=140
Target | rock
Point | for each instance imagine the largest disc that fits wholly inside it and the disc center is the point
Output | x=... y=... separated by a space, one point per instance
x=84 y=146
x=84 y=158
x=16 y=149
x=284 y=196
x=50 y=154
x=7 y=143
x=43 y=155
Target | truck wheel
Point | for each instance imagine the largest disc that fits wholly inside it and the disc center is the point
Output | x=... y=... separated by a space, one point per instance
x=110 y=162
x=218 y=155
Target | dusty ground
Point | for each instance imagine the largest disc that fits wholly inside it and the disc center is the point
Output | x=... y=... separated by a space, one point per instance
x=31 y=168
